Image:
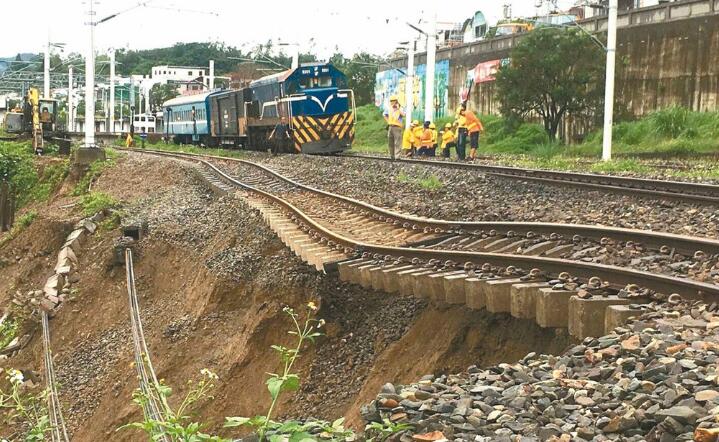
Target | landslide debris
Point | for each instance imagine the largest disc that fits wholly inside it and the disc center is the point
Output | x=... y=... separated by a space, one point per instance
x=655 y=379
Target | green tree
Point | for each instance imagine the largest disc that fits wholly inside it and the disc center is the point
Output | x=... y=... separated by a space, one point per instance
x=361 y=72
x=554 y=72
x=161 y=93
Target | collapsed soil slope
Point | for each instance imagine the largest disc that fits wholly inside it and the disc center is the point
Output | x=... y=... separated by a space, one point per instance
x=213 y=280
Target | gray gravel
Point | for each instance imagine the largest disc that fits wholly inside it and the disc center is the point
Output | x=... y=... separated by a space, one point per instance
x=655 y=379
x=466 y=195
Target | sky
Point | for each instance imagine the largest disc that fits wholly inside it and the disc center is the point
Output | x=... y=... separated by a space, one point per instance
x=374 y=26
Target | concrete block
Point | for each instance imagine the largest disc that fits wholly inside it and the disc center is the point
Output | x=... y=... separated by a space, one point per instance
x=586 y=316
x=552 y=307
x=85 y=156
x=390 y=277
x=436 y=284
x=421 y=284
x=377 y=276
x=53 y=286
x=454 y=292
x=66 y=254
x=618 y=315
x=349 y=271
x=406 y=280
x=474 y=294
x=498 y=294
x=523 y=299
x=365 y=274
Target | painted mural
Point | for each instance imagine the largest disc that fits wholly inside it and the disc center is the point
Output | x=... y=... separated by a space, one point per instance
x=392 y=82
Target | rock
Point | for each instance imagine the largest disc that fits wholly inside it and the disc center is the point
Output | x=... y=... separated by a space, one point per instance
x=706 y=395
x=426 y=437
x=682 y=414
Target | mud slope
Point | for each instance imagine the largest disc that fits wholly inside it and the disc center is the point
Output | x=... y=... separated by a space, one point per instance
x=213 y=280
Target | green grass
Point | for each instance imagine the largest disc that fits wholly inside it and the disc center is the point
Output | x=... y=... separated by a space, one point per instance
x=95 y=202
x=21 y=223
x=671 y=133
x=8 y=331
x=427 y=183
x=370 y=130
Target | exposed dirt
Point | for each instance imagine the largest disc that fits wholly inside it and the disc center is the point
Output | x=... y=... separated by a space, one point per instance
x=213 y=280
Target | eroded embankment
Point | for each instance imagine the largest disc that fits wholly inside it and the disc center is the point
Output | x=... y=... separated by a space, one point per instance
x=213 y=280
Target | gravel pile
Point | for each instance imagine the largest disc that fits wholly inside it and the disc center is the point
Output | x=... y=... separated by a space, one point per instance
x=655 y=379
x=466 y=195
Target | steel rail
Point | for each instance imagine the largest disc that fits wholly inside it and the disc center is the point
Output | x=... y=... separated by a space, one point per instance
x=149 y=385
x=617 y=277
x=683 y=244
x=698 y=192
x=58 y=429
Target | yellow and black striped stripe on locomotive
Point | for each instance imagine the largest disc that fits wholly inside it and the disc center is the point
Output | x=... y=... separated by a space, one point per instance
x=307 y=129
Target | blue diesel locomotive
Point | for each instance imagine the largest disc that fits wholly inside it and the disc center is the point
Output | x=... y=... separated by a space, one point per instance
x=313 y=99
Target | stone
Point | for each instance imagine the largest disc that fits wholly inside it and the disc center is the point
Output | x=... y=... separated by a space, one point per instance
x=682 y=414
x=706 y=396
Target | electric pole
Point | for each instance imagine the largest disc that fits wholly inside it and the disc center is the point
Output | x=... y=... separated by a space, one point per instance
x=112 y=91
x=70 y=104
x=409 y=84
x=46 y=89
x=431 y=61
x=90 y=82
x=609 y=88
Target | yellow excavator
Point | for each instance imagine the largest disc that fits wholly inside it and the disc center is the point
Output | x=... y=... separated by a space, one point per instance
x=36 y=118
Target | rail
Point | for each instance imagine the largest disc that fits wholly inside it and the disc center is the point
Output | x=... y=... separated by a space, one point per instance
x=58 y=429
x=149 y=385
x=683 y=244
x=616 y=276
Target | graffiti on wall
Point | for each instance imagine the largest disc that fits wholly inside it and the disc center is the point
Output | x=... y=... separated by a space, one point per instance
x=392 y=82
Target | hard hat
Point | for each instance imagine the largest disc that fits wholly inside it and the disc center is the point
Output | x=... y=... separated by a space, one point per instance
x=460 y=109
x=393 y=98
x=415 y=123
x=448 y=126
x=432 y=126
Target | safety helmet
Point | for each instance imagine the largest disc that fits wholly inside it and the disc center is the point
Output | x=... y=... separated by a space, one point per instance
x=415 y=123
x=432 y=126
x=448 y=126
x=393 y=98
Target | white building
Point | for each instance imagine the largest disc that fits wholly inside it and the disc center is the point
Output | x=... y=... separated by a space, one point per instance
x=163 y=74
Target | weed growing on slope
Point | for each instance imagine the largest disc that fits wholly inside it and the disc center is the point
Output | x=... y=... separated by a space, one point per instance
x=95 y=202
x=24 y=410
x=304 y=331
x=22 y=223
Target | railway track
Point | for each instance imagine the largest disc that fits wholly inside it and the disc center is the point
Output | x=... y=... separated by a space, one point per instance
x=450 y=246
x=663 y=189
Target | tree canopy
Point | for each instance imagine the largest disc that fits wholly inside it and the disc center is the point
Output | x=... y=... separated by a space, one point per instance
x=554 y=72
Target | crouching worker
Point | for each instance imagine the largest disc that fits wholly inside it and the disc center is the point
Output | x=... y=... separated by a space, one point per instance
x=435 y=136
x=417 y=132
x=407 y=141
x=425 y=141
x=449 y=140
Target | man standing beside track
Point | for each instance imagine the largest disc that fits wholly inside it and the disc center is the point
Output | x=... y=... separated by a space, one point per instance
x=394 y=116
x=280 y=134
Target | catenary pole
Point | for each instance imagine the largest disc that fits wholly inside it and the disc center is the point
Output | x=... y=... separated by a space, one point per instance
x=431 y=60
x=409 y=84
x=609 y=88
x=46 y=78
x=112 y=91
x=90 y=82
x=70 y=104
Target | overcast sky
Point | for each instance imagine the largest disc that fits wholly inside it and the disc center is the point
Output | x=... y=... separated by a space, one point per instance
x=370 y=25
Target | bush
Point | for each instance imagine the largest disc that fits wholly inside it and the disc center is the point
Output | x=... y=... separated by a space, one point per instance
x=95 y=202
x=370 y=127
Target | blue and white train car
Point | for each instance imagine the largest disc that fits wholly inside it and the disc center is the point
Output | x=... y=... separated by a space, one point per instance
x=186 y=118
